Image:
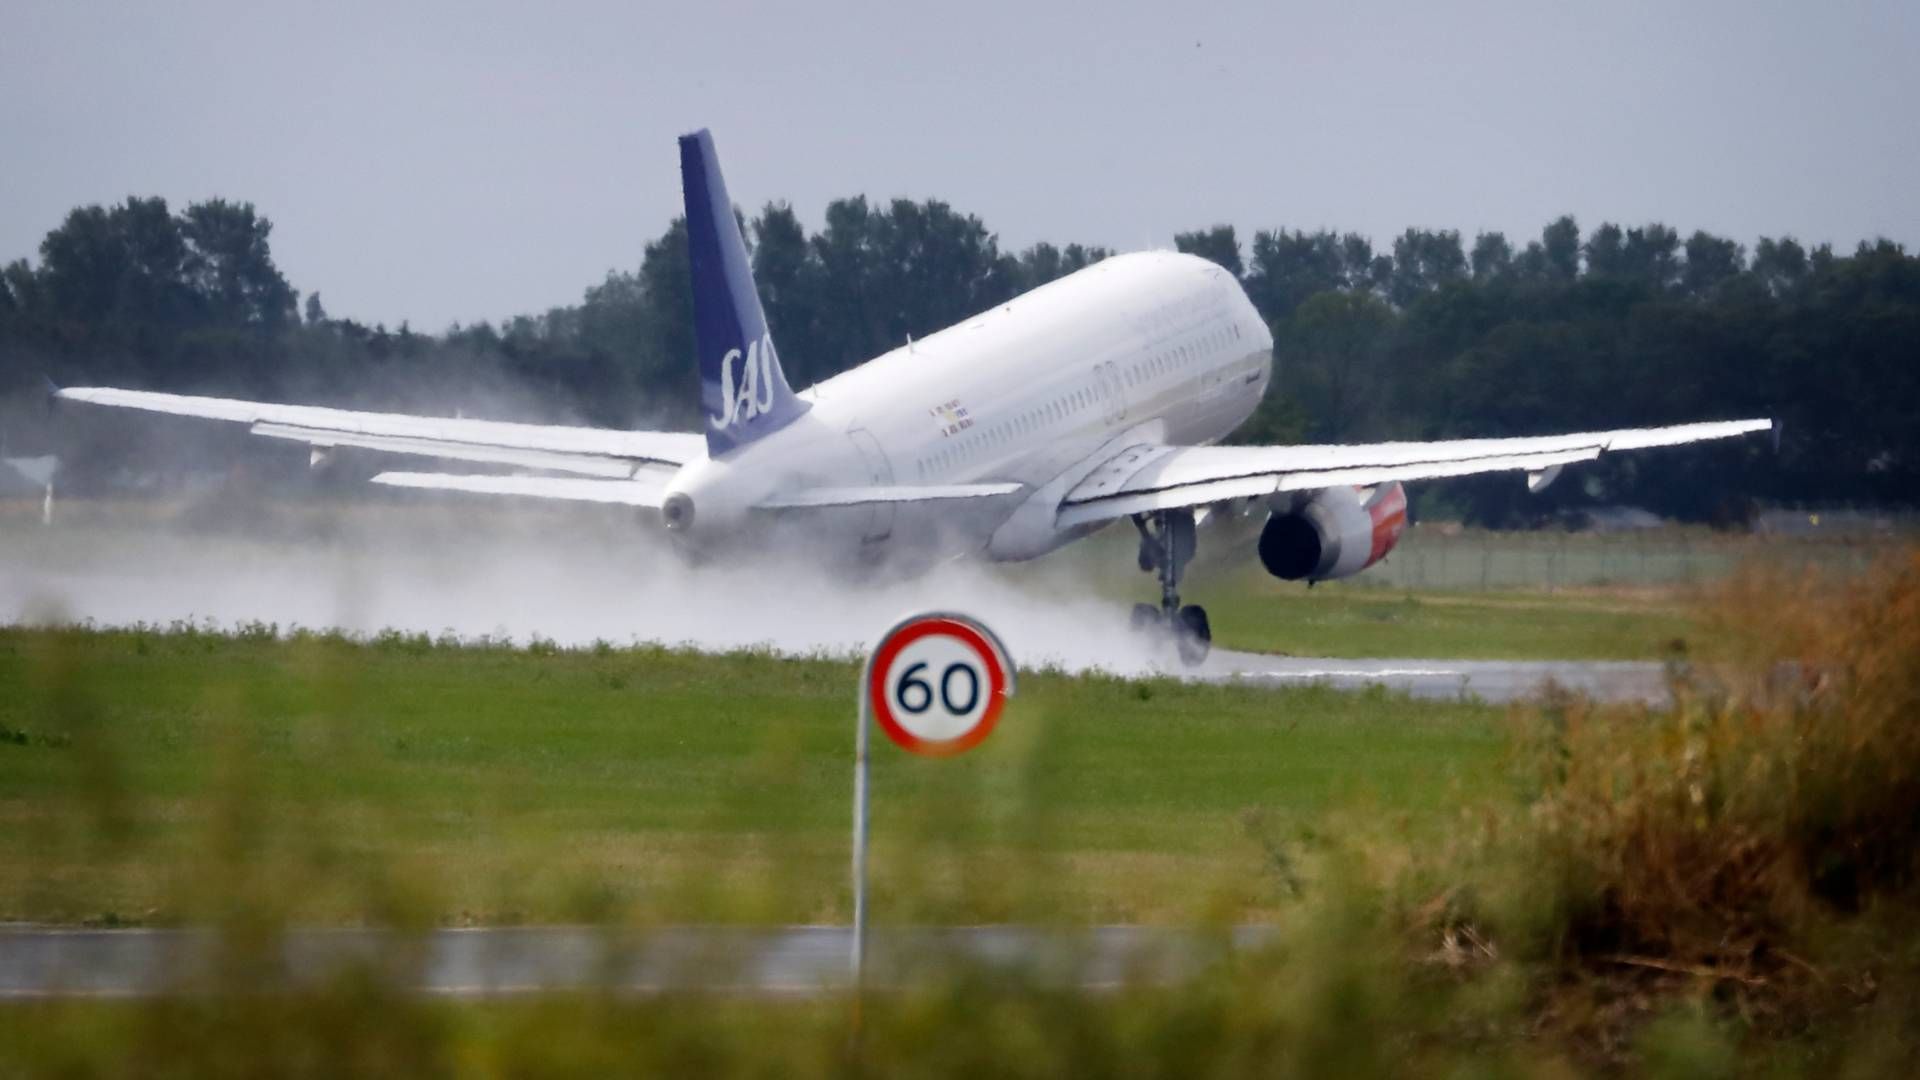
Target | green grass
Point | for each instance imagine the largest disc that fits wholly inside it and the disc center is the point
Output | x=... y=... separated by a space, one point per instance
x=1725 y=889
x=1265 y=615
x=477 y=784
x=1362 y=618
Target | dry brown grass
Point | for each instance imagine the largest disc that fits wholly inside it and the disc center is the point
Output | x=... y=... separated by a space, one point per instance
x=1755 y=849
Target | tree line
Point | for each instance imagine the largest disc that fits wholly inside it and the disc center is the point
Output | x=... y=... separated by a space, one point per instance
x=1426 y=337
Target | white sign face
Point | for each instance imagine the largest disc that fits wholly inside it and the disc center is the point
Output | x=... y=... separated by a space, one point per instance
x=937 y=684
x=936 y=688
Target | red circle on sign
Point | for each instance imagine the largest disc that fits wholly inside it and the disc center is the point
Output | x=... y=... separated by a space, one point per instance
x=977 y=643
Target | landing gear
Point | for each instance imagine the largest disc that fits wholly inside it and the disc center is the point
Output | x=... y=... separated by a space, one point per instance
x=1166 y=547
x=1144 y=617
x=1193 y=635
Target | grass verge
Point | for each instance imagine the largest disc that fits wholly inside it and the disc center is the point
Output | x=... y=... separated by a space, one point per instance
x=496 y=785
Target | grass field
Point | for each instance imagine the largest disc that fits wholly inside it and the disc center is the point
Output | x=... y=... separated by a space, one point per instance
x=1726 y=889
x=325 y=779
x=1264 y=615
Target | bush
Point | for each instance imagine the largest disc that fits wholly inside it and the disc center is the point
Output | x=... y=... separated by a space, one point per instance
x=1755 y=846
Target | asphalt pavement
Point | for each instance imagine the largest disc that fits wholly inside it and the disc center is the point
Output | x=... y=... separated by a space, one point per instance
x=40 y=961
x=1495 y=681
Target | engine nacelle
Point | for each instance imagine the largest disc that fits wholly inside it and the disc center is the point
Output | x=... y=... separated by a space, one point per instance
x=1334 y=534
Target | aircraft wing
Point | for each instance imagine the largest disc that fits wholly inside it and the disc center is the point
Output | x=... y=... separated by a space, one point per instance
x=1146 y=477
x=598 y=452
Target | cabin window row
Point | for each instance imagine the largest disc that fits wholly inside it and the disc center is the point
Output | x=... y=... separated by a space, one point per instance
x=1180 y=355
x=1026 y=423
x=1068 y=404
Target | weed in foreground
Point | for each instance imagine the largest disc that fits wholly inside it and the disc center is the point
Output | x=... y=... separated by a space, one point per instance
x=1741 y=868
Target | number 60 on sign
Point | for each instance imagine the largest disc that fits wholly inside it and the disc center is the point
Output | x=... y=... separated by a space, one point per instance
x=937 y=684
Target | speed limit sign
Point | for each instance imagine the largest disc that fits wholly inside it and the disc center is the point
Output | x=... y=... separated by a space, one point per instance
x=936 y=684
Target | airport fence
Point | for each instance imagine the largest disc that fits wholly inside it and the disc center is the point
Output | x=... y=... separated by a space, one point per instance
x=1473 y=560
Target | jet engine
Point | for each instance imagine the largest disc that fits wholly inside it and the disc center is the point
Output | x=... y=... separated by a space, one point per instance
x=1333 y=533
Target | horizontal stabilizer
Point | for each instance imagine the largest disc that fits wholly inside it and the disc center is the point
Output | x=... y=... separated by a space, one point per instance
x=620 y=492
x=876 y=494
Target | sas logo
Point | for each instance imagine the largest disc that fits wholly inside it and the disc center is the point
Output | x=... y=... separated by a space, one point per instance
x=951 y=417
x=751 y=394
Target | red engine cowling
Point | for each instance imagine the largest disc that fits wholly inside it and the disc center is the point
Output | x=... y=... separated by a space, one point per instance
x=1334 y=534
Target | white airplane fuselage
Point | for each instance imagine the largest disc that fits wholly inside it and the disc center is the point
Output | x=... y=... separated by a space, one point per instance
x=1152 y=347
x=1147 y=346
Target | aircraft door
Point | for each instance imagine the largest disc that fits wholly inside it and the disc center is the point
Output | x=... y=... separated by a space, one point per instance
x=879 y=516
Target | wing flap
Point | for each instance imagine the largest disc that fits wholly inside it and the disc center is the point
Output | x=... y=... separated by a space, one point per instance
x=524 y=457
x=1198 y=493
x=621 y=492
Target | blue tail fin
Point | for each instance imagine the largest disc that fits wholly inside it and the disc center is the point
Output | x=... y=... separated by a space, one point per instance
x=742 y=389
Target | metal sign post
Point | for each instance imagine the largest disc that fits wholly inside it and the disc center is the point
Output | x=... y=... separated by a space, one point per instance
x=936 y=684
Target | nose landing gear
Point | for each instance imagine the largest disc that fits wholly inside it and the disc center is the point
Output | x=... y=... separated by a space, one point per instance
x=1166 y=547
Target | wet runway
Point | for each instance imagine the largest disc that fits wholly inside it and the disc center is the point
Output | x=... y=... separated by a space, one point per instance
x=53 y=962
x=1495 y=681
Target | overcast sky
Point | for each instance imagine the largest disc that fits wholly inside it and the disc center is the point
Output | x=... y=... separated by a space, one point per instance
x=457 y=161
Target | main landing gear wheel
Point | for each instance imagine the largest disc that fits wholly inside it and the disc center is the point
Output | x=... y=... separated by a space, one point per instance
x=1193 y=635
x=1166 y=547
x=1144 y=617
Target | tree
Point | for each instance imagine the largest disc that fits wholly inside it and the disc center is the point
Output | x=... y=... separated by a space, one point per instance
x=666 y=359
x=1217 y=244
x=1364 y=271
x=1423 y=261
x=1780 y=265
x=1075 y=257
x=316 y=312
x=1288 y=267
x=1560 y=246
x=1492 y=258
x=1606 y=251
x=1710 y=261
x=1040 y=264
x=82 y=264
x=1652 y=254
x=1332 y=353
x=231 y=266
x=784 y=272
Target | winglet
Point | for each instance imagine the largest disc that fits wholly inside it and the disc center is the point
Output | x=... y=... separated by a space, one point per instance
x=53 y=392
x=1778 y=426
x=742 y=389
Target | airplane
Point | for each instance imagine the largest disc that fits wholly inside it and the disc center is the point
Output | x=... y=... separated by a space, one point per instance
x=1099 y=396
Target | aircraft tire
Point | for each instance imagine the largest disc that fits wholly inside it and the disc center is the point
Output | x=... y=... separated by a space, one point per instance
x=1193 y=634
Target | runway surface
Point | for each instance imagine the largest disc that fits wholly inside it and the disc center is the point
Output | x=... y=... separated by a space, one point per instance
x=1489 y=680
x=54 y=962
